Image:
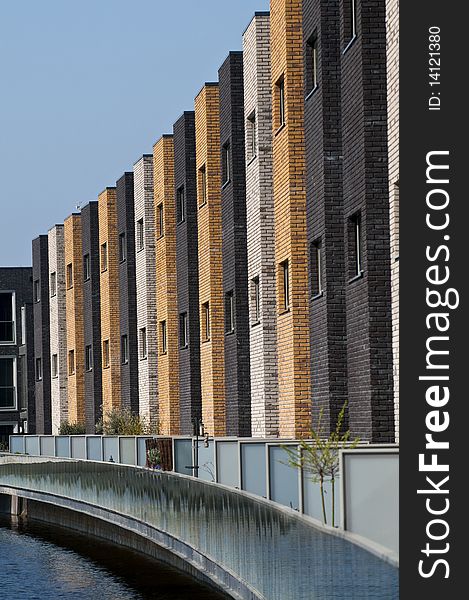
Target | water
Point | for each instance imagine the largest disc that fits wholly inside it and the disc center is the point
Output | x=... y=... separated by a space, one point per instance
x=39 y=562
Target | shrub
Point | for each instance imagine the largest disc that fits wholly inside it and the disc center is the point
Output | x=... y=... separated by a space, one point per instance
x=67 y=428
x=122 y=422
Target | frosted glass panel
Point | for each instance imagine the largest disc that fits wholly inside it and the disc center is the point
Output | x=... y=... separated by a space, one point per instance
x=227 y=463
x=283 y=479
x=47 y=445
x=253 y=468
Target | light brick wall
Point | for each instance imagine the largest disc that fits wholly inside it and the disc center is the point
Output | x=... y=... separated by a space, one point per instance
x=109 y=284
x=58 y=332
x=74 y=317
x=166 y=293
x=260 y=228
x=146 y=288
x=207 y=135
x=392 y=50
x=290 y=218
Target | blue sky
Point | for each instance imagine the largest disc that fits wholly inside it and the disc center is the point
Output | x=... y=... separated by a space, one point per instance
x=87 y=87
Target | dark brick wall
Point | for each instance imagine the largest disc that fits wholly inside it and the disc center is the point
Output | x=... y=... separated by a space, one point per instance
x=20 y=281
x=365 y=190
x=127 y=290
x=42 y=335
x=187 y=271
x=323 y=145
x=92 y=312
x=233 y=199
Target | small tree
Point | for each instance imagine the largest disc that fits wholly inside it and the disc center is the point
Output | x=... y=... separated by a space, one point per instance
x=122 y=422
x=67 y=428
x=319 y=458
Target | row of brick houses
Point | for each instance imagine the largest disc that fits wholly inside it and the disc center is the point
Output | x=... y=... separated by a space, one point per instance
x=246 y=272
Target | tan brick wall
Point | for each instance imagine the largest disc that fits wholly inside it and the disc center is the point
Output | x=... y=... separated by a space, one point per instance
x=166 y=292
x=207 y=132
x=109 y=283
x=74 y=318
x=290 y=218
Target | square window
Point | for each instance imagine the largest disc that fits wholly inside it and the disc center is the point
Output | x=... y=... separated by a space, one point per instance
x=181 y=205
x=229 y=312
x=143 y=342
x=205 y=321
x=183 y=333
x=88 y=358
x=160 y=220
x=53 y=284
x=69 y=272
x=163 y=338
x=140 y=235
x=105 y=354
x=104 y=257
x=54 y=366
x=71 y=362
x=124 y=350
x=7 y=318
x=202 y=186
x=226 y=163
x=311 y=63
x=316 y=268
x=122 y=247
x=284 y=279
x=37 y=291
x=86 y=267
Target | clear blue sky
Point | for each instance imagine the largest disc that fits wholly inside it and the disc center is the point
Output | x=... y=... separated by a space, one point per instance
x=87 y=87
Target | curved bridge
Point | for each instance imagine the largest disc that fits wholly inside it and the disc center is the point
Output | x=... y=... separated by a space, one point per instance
x=246 y=546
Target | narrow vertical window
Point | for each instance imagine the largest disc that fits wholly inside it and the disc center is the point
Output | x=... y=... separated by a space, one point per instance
x=280 y=102
x=122 y=247
x=181 y=205
x=183 y=334
x=88 y=358
x=311 y=63
x=86 y=267
x=53 y=284
x=251 y=129
x=69 y=274
x=23 y=325
x=202 y=186
x=285 y=285
x=54 y=366
x=124 y=350
x=71 y=362
x=229 y=312
x=160 y=220
x=350 y=20
x=226 y=163
x=163 y=338
x=206 y=321
x=256 y=300
x=355 y=246
x=105 y=354
x=8 y=398
x=143 y=342
x=37 y=291
x=38 y=369
x=316 y=269
x=104 y=257
x=140 y=235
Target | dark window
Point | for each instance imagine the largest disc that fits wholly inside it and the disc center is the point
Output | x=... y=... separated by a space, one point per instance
x=71 y=362
x=140 y=235
x=183 y=337
x=7 y=383
x=350 y=20
x=124 y=350
x=54 y=366
x=226 y=163
x=229 y=312
x=69 y=276
x=202 y=186
x=284 y=286
x=160 y=220
x=122 y=247
x=105 y=354
x=311 y=63
x=180 y=205
x=206 y=321
x=163 y=338
x=143 y=342
x=104 y=257
x=38 y=369
x=251 y=130
x=37 y=291
x=316 y=268
x=280 y=102
x=88 y=358
x=86 y=267
x=53 y=284
x=256 y=300
x=7 y=322
x=355 y=246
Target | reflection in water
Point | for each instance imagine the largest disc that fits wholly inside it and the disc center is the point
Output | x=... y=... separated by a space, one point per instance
x=38 y=562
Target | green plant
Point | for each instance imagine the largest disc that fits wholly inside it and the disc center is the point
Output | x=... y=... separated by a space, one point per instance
x=67 y=428
x=3 y=447
x=122 y=422
x=319 y=458
x=154 y=457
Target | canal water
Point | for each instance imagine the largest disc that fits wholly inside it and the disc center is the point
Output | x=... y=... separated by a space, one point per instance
x=39 y=562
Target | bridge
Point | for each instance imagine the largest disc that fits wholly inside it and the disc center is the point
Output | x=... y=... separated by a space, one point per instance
x=246 y=546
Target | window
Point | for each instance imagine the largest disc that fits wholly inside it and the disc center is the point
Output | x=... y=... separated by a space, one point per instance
x=53 y=284
x=71 y=362
x=7 y=319
x=23 y=325
x=251 y=130
x=122 y=247
x=37 y=291
x=284 y=286
x=160 y=220
x=280 y=102
x=226 y=163
x=104 y=257
x=88 y=358
x=86 y=267
x=140 y=235
x=205 y=321
x=311 y=64
x=105 y=354
x=69 y=273
x=38 y=369
x=54 y=366
x=7 y=383
x=143 y=342
x=124 y=350
x=256 y=300
x=180 y=205
x=183 y=336
x=163 y=338
x=202 y=186
x=350 y=20
x=316 y=269
x=229 y=312
x=355 y=246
